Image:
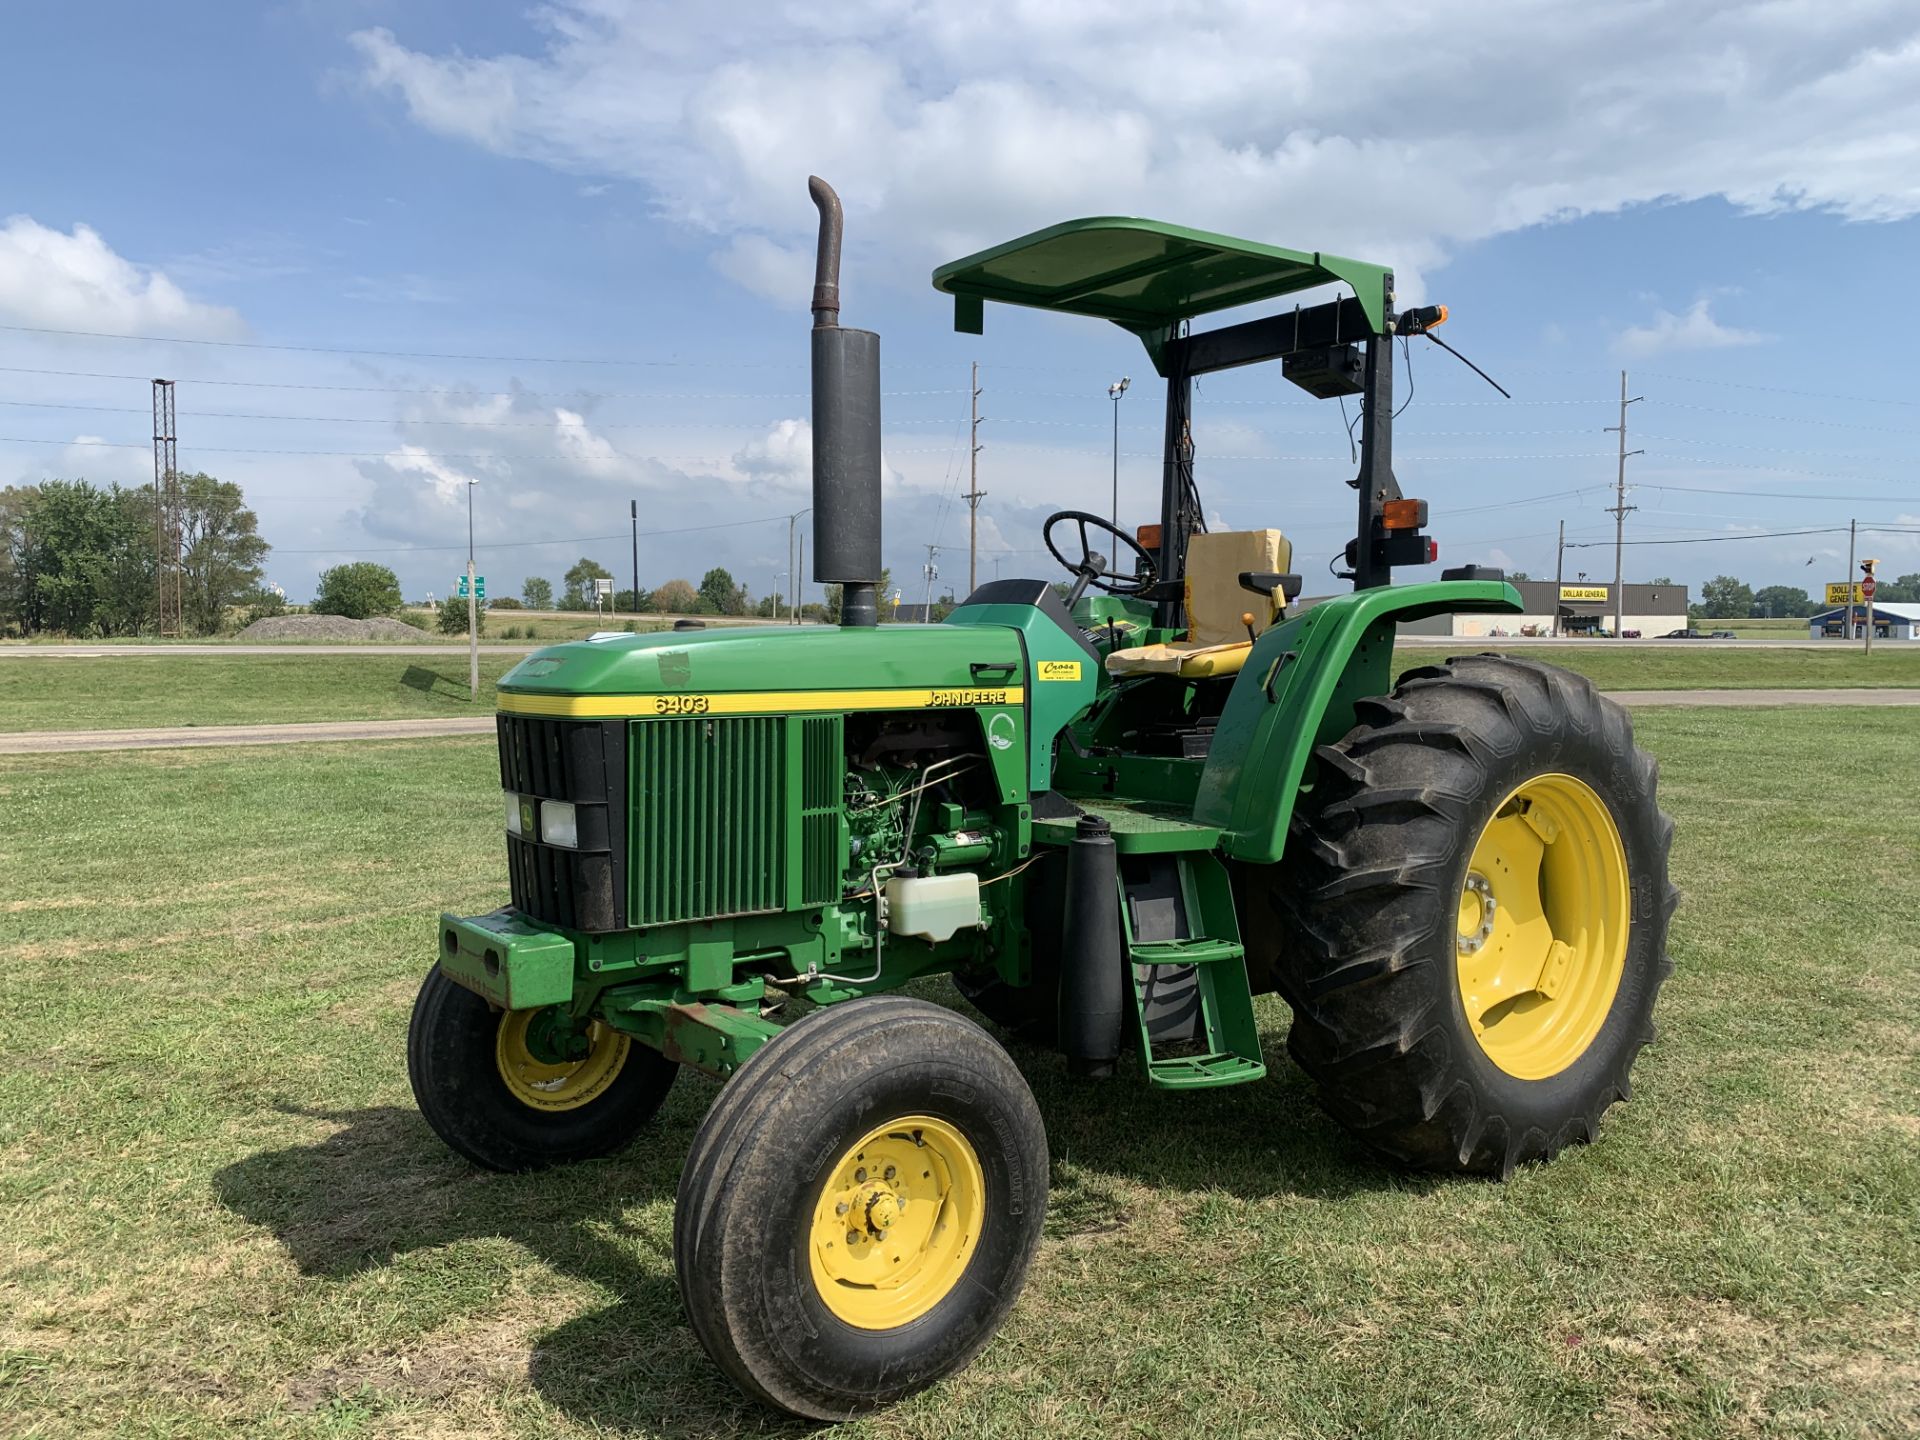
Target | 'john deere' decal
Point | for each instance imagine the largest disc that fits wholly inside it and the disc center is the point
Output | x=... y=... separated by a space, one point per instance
x=1059 y=670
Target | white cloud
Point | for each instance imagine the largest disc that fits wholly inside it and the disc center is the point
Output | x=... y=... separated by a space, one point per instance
x=1694 y=330
x=1486 y=118
x=77 y=282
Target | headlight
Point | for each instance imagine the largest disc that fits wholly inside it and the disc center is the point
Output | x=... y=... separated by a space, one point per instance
x=513 y=813
x=558 y=825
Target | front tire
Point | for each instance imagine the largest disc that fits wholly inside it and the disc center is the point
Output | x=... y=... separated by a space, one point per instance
x=1474 y=907
x=489 y=1085
x=860 y=1207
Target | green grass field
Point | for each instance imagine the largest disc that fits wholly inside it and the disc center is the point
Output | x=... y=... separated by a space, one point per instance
x=120 y=692
x=1680 y=665
x=221 y=1215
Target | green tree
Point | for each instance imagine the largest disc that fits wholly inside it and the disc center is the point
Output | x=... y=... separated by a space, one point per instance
x=581 y=594
x=78 y=559
x=1904 y=589
x=538 y=593
x=452 y=619
x=1518 y=575
x=1660 y=580
x=628 y=603
x=359 y=591
x=1782 y=600
x=220 y=550
x=720 y=595
x=1725 y=598
x=676 y=597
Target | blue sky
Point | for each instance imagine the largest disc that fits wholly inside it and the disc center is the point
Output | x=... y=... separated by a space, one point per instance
x=611 y=200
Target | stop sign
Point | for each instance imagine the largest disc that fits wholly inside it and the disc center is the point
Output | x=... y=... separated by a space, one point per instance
x=1866 y=588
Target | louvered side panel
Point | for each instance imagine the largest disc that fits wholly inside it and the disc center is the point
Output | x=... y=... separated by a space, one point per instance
x=822 y=782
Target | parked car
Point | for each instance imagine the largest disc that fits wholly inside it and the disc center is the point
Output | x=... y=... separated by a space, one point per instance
x=1688 y=634
x=1722 y=635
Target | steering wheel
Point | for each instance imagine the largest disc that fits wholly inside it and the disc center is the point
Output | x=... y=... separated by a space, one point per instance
x=1091 y=568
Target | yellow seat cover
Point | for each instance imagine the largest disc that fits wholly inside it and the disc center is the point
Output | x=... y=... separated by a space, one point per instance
x=1216 y=642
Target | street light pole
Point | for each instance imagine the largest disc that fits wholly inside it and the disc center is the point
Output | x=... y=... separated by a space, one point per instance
x=1114 y=392
x=473 y=607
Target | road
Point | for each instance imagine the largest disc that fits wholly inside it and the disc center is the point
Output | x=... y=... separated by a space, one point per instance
x=50 y=742
x=46 y=742
x=150 y=652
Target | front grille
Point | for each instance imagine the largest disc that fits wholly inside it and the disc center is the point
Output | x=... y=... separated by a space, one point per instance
x=708 y=831
x=584 y=762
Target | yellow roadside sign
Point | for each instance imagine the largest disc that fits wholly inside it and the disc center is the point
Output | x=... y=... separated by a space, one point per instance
x=1844 y=594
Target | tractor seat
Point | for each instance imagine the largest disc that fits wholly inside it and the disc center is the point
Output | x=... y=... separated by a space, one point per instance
x=1217 y=643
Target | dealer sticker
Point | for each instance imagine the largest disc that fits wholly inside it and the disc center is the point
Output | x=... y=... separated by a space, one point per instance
x=1059 y=670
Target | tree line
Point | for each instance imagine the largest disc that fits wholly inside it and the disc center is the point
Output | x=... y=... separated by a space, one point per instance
x=82 y=559
x=1726 y=597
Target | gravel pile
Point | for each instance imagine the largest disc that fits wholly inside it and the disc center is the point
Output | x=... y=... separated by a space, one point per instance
x=335 y=628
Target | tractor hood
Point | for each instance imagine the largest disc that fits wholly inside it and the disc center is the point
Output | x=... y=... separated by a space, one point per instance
x=770 y=670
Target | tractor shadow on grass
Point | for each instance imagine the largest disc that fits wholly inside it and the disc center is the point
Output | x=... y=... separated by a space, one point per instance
x=383 y=1187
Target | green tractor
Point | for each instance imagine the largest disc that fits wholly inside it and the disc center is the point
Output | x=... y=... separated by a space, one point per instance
x=1112 y=820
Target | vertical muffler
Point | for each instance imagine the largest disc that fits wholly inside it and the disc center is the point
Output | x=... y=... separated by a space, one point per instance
x=846 y=434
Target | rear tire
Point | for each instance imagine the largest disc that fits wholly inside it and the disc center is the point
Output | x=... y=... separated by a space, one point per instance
x=1384 y=918
x=796 y=1298
x=460 y=1052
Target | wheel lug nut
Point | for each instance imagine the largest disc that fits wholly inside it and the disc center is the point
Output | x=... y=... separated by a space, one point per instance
x=841 y=1208
x=861 y=1175
x=889 y=1173
x=853 y=1237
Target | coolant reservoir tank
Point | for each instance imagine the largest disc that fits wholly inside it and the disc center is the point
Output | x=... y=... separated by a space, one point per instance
x=933 y=907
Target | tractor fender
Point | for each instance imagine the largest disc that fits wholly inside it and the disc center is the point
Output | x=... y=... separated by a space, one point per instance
x=1297 y=690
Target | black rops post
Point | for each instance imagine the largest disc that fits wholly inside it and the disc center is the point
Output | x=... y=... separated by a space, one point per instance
x=846 y=434
x=1093 y=970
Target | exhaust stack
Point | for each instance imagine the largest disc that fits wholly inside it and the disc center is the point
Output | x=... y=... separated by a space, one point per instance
x=846 y=434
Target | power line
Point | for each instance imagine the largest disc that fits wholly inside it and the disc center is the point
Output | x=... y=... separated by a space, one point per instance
x=525 y=544
x=396 y=354
x=1711 y=539
x=460 y=389
x=405 y=452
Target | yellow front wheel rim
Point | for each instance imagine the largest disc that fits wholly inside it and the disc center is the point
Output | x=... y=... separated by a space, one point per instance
x=897 y=1223
x=1541 y=931
x=566 y=1086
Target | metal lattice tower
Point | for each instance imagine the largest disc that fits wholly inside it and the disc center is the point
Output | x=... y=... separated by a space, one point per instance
x=167 y=576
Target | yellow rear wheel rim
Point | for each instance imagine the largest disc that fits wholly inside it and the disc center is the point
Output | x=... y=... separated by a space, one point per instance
x=1541 y=930
x=544 y=1086
x=897 y=1223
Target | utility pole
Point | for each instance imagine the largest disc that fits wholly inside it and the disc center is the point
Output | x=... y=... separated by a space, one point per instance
x=1559 y=569
x=1114 y=392
x=633 y=514
x=1621 y=508
x=1853 y=534
x=796 y=611
x=974 y=492
x=794 y=566
x=933 y=573
x=473 y=607
x=168 y=606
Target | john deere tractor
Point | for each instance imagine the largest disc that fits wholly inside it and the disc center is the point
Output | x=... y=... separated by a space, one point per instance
x=1113 y=819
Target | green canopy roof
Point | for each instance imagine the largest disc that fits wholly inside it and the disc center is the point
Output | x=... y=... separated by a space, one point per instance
x=1144 y=275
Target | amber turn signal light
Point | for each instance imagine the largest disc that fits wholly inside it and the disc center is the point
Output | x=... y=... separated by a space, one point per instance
x=1404 y=514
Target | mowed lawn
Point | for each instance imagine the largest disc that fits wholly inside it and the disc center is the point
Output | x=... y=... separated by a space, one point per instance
x=113 y=692
x=1686 y=665
x=121 y=692
x=221 y=1215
